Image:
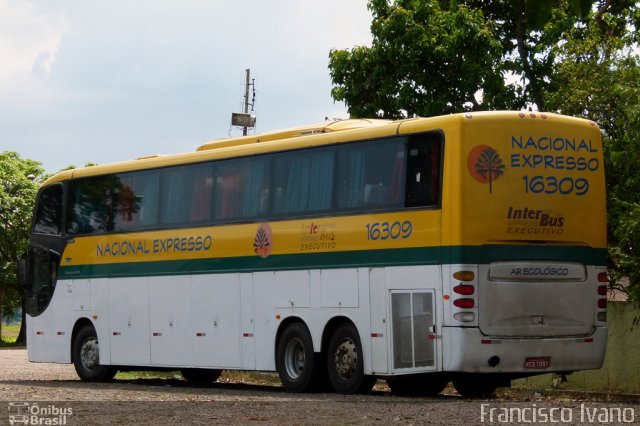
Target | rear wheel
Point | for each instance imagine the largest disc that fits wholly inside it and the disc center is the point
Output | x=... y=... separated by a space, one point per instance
x=345 y=362
x=418 y=384
x=200 y=376
x=299 y=368
x=86 y=357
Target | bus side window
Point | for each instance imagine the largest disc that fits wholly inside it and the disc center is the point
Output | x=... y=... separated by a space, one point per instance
x=304 y=181
x=242 y=188
x=48 y=217
x=89 y=205
x=187 y=194
x=423 y=170
x=371 y=175
x=136 y=199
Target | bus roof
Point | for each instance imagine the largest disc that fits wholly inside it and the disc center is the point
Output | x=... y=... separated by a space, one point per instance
x=311 y=129
x=299 y=137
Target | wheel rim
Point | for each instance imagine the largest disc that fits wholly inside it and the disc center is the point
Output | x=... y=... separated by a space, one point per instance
x=294 y=358
x=346 y=359
x=89 y=353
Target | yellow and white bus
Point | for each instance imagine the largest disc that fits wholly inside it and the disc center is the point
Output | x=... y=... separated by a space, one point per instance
x=468 y=248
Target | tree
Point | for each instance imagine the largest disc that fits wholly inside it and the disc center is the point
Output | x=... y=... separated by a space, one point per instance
x=577 y=57
x=425 y=60
x=431 y=57
x=605 y=50
x=18 y=188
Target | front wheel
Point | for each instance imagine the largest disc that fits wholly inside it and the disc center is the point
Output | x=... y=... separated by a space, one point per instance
x=345 y=362
x=86 y=357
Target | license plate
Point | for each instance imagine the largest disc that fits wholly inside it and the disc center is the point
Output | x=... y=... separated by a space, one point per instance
x=537 y=363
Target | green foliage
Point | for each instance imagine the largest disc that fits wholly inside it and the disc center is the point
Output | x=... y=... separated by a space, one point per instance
x=425 y=60
x=539 y=12
x=8 y=335
x=18 y=188
x=598 y=77
x=431 y=57
x=577 y=57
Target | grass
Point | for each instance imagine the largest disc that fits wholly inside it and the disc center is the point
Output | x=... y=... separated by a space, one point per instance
x=228 y=376
x=135 y=375
x=9 y=335
x=250 y=377
x=257 y=378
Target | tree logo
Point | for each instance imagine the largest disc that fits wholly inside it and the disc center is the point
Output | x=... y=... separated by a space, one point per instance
x=263 y=242
x=485 y=165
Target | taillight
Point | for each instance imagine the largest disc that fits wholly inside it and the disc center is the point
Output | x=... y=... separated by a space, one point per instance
x=602 y=290
x=464 y=289
x=463 y=297
x=464 y=303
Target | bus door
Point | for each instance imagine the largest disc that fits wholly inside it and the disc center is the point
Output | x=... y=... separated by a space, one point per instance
x=39 y=274
x=38 y=271
x=403 y=328
x=413 y=330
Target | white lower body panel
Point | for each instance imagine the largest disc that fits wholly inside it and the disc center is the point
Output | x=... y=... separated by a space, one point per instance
x=467 y=350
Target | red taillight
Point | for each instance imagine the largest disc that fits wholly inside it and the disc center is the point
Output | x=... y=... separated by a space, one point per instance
x=602 y=303
x=464 y=289
x=464 y=303
x=602 y=290
x=603 y=278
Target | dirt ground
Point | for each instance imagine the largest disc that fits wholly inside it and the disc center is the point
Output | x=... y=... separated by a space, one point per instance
x=52 y=394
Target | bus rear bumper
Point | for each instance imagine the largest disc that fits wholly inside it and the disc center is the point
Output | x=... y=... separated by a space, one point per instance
x=468 y=350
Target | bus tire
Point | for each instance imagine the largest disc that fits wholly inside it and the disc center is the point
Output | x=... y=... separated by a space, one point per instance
x=295 y=360
x=417 y=384
x=475 y=387
x=86 y=357
x=200 y=376
x=345 y=363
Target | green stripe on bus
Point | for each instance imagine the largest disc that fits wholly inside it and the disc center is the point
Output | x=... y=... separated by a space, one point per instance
x=347 y=259
x=504 y=252
x=581 y=254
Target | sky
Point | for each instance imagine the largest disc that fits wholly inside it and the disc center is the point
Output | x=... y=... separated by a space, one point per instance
x=111 y=80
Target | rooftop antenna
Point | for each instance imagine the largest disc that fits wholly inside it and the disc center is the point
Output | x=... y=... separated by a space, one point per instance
x=245 y=119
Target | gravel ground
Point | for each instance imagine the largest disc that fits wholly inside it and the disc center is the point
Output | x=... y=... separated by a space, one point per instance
x=52 y=394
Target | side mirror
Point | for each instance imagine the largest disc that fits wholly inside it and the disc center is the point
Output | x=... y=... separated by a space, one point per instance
x=23 y=272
